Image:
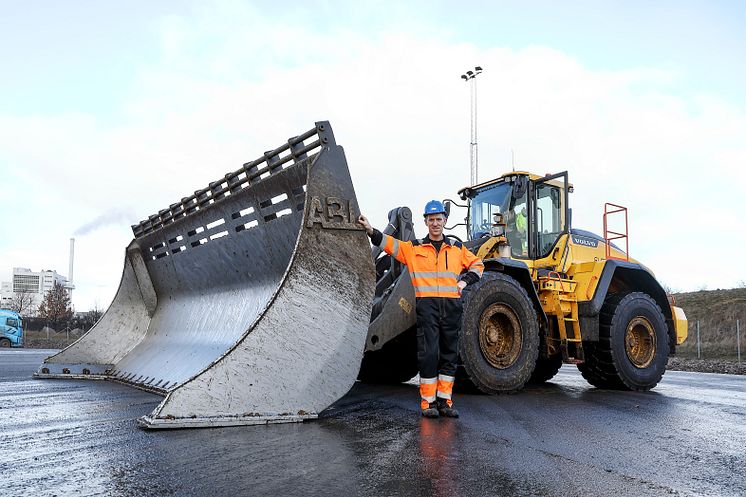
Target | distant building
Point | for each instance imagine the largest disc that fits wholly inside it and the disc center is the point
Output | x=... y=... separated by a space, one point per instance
x=6 y=294
x=36 y=283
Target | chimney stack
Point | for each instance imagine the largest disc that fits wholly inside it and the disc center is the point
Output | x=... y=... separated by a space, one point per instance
x=72 y=257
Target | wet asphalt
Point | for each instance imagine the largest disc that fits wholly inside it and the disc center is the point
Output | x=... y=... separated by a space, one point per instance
x=686 y=437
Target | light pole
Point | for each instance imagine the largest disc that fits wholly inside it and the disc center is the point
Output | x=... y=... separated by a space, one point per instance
x=471 y=78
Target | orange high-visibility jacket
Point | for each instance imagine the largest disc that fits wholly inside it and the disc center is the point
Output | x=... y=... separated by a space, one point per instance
x=433 y=274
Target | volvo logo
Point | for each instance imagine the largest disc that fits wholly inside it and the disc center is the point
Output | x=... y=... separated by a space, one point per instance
x=581 y=240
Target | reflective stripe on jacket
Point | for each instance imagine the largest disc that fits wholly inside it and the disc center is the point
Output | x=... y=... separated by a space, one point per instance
x=433 y=274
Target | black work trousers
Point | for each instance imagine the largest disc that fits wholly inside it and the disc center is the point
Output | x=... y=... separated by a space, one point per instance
x=438 y=324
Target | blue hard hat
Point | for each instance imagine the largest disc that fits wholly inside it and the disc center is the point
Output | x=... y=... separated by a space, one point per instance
x=434 y=207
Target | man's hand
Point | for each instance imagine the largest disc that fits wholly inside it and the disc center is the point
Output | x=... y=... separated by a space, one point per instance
x=461 y=285
x=362 y=220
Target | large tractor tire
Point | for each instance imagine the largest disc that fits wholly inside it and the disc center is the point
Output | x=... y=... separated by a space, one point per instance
x=499 y=340
x=632 y=350
x=395 y=362
x=546 y=368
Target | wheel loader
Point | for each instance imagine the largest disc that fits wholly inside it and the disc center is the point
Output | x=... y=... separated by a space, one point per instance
x=550 y=294
x=256 y=300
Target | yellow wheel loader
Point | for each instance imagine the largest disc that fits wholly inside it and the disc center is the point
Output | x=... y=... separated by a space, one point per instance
x=550 y=294
x=249 y=302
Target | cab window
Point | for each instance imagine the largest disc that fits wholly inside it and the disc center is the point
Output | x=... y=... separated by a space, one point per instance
x=549 y=217
x=485 y=204
x=517 y=227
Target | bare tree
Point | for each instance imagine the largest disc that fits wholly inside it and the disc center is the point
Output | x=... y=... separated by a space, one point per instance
x=95 y=314
x=92 y=316
x=23 y=301
x=56 y=306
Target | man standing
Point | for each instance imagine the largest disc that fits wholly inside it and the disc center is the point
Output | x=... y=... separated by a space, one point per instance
x=435 y=265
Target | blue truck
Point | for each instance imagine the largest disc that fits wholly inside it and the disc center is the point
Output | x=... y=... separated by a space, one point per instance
x=11 y=329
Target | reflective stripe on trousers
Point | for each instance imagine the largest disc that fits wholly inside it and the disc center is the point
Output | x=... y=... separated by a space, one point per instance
x=428 y=387
x=445 y=386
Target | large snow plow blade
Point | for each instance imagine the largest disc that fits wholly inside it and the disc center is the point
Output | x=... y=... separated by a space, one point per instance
x=245 y=303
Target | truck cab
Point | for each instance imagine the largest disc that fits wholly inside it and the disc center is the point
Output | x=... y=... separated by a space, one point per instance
x=11 y=329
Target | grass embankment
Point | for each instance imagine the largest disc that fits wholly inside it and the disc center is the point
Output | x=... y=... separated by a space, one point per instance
x=717 y=312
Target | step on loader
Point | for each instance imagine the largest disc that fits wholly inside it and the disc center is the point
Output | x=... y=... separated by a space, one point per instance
x=245 y=303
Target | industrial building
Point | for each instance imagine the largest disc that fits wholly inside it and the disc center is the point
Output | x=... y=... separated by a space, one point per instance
x=36 y=284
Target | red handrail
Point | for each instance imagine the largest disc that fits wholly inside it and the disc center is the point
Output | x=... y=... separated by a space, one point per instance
x=617 y=236
x=549 y=275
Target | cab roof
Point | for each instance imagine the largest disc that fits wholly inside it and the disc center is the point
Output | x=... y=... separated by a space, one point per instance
x=499 y=179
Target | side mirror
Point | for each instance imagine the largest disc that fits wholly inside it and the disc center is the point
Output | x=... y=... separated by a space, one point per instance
x=447 y=206
x=465 y=193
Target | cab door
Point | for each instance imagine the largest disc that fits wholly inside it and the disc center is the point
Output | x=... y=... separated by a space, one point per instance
x=550 y=214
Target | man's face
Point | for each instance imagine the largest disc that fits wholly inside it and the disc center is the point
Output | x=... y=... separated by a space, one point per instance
x=435 y=223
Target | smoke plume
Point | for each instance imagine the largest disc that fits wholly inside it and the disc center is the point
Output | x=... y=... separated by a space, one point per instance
x=113 y=216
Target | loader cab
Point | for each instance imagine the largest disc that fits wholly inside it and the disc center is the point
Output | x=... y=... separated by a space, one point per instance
x=534 y=211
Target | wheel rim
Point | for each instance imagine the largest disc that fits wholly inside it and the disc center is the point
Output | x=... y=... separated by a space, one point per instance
x=640 y=342
x=500 y=335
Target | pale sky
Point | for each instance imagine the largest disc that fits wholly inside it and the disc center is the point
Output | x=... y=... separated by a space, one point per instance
x=111 y=111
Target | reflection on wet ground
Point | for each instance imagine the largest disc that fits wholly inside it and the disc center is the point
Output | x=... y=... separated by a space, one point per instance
x=563 y=438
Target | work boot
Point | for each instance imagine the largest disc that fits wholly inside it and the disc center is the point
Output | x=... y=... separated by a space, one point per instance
x=445 y=409
x=429 y=410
